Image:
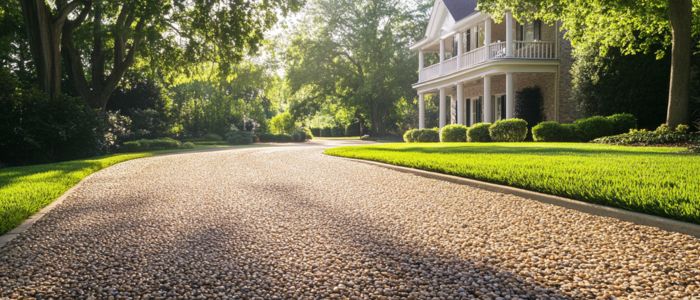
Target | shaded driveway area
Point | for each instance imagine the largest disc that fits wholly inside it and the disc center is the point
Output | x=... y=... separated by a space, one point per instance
x=289 y=222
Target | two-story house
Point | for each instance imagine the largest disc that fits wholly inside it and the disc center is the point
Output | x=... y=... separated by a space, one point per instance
x=480 y=65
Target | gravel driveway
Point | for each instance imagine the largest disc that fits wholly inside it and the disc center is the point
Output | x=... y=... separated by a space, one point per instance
x=289 y=222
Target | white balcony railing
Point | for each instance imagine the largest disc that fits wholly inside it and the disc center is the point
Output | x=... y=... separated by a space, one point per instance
x=535 y=50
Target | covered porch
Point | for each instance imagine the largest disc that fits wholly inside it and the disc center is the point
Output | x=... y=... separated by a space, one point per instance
x=464 y=101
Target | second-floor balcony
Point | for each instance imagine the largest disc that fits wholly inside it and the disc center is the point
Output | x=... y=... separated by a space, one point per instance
x=522 y=50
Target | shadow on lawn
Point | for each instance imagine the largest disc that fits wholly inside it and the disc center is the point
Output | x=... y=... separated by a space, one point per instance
x=539 y=150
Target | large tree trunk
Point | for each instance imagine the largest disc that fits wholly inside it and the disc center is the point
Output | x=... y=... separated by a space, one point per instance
x=678 y=94
x=44 y=42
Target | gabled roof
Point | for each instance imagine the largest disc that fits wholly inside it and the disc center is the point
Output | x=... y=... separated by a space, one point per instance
x=460 y=9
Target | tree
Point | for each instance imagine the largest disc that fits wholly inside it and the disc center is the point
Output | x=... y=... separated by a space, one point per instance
x=110 y=35
x=354 y=54
x=631 y=26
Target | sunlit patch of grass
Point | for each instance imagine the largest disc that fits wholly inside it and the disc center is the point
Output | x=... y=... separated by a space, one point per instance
x=663 y=181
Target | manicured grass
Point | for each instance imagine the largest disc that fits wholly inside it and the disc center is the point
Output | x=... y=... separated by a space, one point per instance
x=662 y=181
x=26 y=190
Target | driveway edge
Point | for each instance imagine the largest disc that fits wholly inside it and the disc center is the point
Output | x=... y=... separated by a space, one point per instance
x=29 y=222
x=590 y=208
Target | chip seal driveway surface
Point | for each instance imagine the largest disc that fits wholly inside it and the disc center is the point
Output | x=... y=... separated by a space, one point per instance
x=289 y=222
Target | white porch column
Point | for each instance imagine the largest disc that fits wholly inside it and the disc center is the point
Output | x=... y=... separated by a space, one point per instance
x=510 y=32
x=460 y=49
x=473 y=38
x=421 y=111
x=461 y=118
x=443 y=107
x=488 y=104
x=510 y=96
x=421 y=60
x=472 y=110
x=487 y=31
x=442 y=53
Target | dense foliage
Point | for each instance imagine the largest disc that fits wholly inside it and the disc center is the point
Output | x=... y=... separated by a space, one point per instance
x=508 y=130
x=154 y=144
x=349 y=60
x=654 y=180
x=663 y=135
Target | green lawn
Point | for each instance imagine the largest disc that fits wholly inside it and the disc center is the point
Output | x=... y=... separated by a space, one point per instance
x=655 y=180
x=26 y=190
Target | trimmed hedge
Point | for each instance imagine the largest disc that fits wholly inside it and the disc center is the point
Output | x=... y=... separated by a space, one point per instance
x=508 y=130
x=594 y=127
x=408 y=136
x=622 y=123
x=550 y=131
x=274 y=138
x=453 y=133
x=479 y=132
x=426 y=135
x=154 y=144
x=237 y=137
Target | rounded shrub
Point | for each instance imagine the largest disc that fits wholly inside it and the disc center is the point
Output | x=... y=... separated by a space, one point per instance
x=453 y=133
x=550 y=131
x=237 y=137
x=508 y=130
x=408 y=136
x=479 y=132
x=594 y=127
x=622 y=123
x=427 y=135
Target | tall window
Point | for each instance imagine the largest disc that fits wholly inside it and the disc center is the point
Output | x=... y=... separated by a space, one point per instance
x=478 y=109
x=454 y=46
x=468 y=40
x=479 y=35
x=530 y=31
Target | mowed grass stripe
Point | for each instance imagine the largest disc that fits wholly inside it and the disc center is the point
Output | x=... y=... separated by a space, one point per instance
x=663 y=181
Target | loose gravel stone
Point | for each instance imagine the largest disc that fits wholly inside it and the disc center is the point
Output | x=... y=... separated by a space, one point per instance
x=288 y=222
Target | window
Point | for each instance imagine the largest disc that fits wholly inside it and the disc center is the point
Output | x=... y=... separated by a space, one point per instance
x=478 y=109
x=530 y=31
x=479 y=35
x=454 y=46
x=467 y=112
x=468 y=40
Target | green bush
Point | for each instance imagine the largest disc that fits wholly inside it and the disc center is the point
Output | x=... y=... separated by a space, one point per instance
x=154 y=144
x=326 y=132
x=663 y=135
x=274 y=138
x=408 y=136
x=479 y=132
x=337 y=131
x=453 y=133
x=316 y=132
x=367 y=137
x=307 y=132
x=508 y=130
x=282 y=123
x=426 y=135
x=622 y=123
x=237 y=137
x=594 y=127
x=35 y=129
x=550 y=131
x=212 y=137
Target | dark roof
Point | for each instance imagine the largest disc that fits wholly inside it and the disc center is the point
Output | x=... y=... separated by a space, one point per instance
x=460 y=9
